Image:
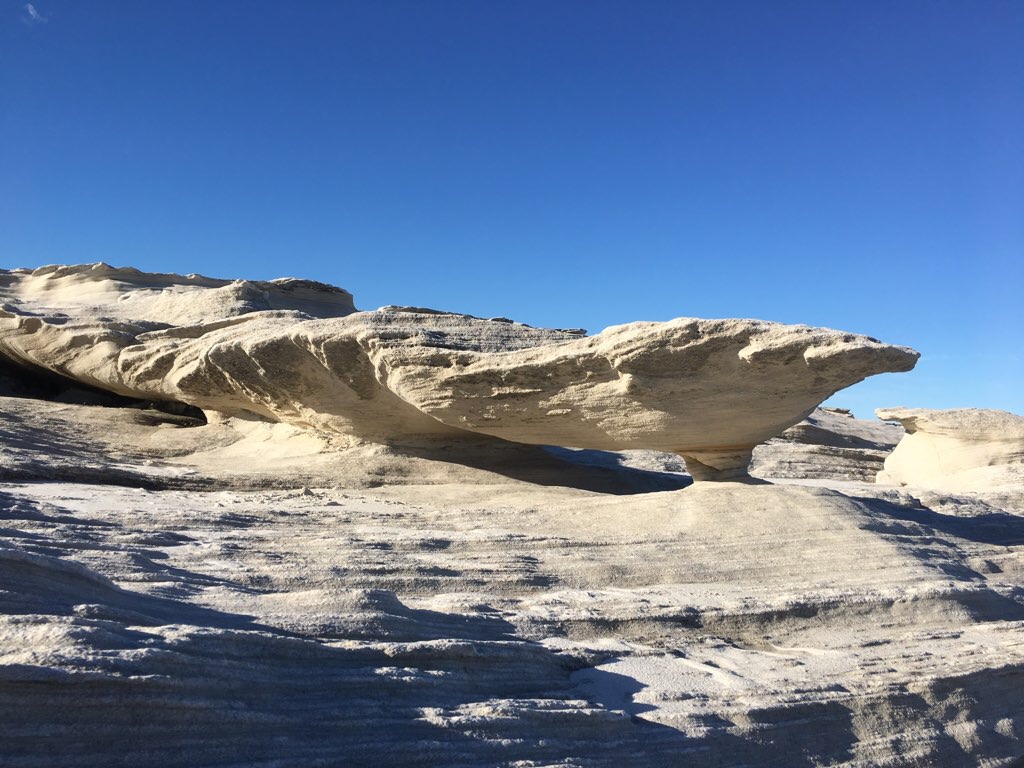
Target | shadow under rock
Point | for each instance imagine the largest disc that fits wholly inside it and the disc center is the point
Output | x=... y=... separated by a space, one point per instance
x=586 y=470
x=40 y=455
x=37 y=445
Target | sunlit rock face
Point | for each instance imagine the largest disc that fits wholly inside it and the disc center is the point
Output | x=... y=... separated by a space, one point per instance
x=298 y=352
x=77 y=320
x=707 y=389
x=109 y=294
x=964 y=449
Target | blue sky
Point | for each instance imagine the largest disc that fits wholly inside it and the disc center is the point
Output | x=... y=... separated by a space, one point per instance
x=855 y=165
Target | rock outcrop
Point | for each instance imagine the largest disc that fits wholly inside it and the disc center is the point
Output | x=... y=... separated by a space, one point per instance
x=830 y=444
x=298 y=352
x=123 y=294
x=964 y=449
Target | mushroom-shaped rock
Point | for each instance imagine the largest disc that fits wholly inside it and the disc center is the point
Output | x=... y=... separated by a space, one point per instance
x=709 y=390
x=963 y=449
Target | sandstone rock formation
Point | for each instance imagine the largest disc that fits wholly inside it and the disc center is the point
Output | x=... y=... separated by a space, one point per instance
x=965 y=449
x=830 y=444
x=298 y=352
x=110 y=294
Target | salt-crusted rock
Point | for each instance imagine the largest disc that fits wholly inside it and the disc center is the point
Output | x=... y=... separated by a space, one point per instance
x=297 y=352
x=964 y=449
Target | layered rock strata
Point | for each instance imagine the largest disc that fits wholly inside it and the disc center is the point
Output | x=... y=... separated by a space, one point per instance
x=830 y=444
x=298 y=352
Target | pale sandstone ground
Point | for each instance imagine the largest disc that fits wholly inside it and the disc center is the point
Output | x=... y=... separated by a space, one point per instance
x=206 y=609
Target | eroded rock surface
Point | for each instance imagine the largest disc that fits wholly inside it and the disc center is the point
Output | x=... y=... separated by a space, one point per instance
x=240 y=591
x=964 y=449
x=297 y=352
x=830 y=444
x=728 y=625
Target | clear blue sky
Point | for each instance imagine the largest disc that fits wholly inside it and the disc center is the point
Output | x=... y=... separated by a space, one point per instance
x=858 y=165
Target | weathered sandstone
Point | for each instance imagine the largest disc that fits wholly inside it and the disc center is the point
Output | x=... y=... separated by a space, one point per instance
x=830 y=444
x=964 y=449
x=297 y=352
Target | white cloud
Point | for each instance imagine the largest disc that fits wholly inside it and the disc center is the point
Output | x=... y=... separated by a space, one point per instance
x=32 y=16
